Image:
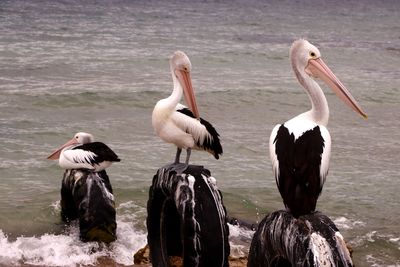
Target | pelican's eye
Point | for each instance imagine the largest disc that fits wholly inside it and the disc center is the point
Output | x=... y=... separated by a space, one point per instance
x=313 y=55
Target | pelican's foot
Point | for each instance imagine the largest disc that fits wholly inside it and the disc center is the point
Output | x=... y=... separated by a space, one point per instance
x=179 y=168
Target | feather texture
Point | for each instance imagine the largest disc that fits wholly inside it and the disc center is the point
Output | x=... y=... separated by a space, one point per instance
x=300 y=166
x=204 y=134
x=93 y=156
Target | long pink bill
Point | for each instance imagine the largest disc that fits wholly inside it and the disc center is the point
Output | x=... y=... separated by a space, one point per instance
x=188 y=92
x=319 y=69
x=56 y=154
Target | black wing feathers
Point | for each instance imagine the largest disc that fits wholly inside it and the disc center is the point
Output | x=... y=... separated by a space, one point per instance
x=299 y=169
x=187 y=112
x=212 y=144
x=102 y=151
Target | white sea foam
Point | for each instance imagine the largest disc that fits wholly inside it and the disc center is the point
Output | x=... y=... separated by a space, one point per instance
x=236 y=231
x=56 y=205
x=396 y=241
x=344 y=223
x=377 y=262
x=49 y=250
x=379 y=258
x=67 y=250
x=239 y=239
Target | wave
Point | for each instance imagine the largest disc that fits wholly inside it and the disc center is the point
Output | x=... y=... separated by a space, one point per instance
x=239 y=239
x=344 y=223
x=67 y=250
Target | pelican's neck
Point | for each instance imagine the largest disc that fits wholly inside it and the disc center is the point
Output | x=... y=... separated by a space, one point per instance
x=176 y=95
x=319 y=112
x=70 y=147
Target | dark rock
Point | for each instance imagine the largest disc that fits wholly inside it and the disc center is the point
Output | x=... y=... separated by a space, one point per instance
x=88 y=196
x=186 y=218
x=310 y=240
x=142 y=258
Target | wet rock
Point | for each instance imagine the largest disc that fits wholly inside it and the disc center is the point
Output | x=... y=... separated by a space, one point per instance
x=309 y=240
x=186 y=218
x=88 y=197
x=142 y=258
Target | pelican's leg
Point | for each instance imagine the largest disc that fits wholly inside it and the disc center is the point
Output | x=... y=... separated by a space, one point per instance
x=178 y=155
x=188 y=151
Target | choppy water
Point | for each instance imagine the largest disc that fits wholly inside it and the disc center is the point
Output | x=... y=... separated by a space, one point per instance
x=100 y=66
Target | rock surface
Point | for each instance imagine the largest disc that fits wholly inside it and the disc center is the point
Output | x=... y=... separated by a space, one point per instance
x=141 y=258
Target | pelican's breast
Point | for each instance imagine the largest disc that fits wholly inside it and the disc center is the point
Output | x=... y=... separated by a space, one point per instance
x=161 y=115
x=299 y=125
x=165 y=126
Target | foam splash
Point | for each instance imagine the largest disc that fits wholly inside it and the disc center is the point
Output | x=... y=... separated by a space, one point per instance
x=375 y=236
x=239 y=240
x=344 y=223
x=385 y=257
x=49 y=250
x=237 y=231
x=395 y=241
x=377 y=262
x=67 y=250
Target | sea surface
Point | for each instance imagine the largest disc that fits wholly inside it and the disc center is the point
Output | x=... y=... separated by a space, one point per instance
x=100 y=67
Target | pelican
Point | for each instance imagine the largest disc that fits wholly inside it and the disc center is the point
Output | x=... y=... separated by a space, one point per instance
x=81 y=152
x=300 y=148
x=175 y=123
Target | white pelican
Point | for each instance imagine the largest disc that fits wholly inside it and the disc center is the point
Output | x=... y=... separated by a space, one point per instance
x=81 y=152
x=300 y=148
x=174 y=123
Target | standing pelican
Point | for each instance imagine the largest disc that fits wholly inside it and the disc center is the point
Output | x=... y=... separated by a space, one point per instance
x=81 y=152
x=300 y=148
x=177 y=124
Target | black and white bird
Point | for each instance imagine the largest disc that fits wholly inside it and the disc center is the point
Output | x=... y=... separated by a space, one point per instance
x=174 y=123
x=300 y=148
x=81 y=152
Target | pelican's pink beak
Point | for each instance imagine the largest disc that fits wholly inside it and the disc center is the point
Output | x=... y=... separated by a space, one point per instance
x=186 y=82
x=317 y=68
x=56 y=154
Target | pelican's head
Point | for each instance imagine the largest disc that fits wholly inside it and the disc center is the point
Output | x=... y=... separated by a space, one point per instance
x=180 y=68
x=83 y=138
x=306 y=59
x=301 y=52
x=180 y=61
x=79 y=138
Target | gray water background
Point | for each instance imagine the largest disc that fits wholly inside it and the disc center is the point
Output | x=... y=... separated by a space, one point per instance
x=100 y=66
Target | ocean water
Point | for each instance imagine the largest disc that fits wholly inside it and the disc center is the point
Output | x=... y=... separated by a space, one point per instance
x=100 y=66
